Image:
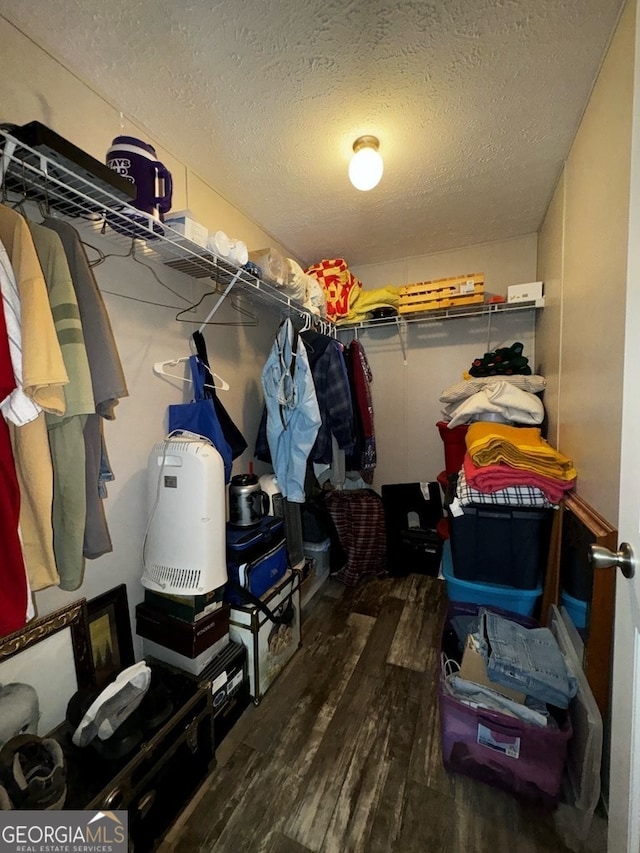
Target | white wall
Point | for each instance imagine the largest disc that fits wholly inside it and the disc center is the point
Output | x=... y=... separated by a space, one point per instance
x=405 y=396
x=39 y=88
x=582 y=256
x=583 y=259
x=549 y=323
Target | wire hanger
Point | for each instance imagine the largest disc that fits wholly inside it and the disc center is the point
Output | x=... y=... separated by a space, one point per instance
x=219 y=301
x=253 y=320
x=19 y=204
x=102 y=257
x=44 y=209
x=220 y=384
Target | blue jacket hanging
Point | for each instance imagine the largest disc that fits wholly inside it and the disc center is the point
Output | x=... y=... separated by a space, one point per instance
x=200 y=416
x=293 y=417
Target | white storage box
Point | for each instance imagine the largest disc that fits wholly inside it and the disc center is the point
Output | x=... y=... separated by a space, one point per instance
x=524 y=292
x=269 y=646
x=184 y=223
x=192 y=665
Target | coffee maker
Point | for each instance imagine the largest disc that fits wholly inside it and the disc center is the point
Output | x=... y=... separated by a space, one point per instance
x=248 y=504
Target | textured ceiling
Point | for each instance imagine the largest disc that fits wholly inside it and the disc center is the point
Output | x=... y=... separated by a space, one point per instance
x=475 y=103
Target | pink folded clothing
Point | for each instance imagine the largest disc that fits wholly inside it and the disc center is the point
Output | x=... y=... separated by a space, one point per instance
x=492 y=478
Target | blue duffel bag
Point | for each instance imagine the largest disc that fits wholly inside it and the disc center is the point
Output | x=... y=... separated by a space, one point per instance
x=256 y=559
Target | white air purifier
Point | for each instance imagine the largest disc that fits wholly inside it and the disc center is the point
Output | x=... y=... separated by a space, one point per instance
x=184 y=551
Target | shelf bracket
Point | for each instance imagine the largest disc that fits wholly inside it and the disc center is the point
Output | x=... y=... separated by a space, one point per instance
x=7 y=157
x=402 y=336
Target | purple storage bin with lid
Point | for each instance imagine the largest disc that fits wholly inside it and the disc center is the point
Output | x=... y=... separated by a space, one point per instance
x=500 y=750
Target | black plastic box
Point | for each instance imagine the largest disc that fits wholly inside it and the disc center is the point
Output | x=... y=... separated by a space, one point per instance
x=501 y=544
x=412 y=512
x=228 y=678
x=418 y=553
x=408 y=505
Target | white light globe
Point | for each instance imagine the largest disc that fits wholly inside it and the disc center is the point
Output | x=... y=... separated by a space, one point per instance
x=365 y=169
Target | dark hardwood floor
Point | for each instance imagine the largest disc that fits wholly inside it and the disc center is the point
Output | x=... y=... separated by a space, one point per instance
x=343 y=753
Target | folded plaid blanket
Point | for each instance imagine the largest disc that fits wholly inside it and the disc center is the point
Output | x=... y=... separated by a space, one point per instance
x=522 y=494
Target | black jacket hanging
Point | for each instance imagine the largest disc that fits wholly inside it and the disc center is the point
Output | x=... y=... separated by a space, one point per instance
x=232 y=434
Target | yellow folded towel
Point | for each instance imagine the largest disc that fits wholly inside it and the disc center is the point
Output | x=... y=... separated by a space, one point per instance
x=367 y=300
x=524 y=448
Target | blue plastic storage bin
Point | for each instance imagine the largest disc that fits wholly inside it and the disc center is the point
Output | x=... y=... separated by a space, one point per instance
x=521 y=601
x=576 y=609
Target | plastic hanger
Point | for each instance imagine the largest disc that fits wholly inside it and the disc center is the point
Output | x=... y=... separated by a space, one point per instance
x=159 y=370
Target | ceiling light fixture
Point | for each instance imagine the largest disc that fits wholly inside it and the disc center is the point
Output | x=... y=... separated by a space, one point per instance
x=366 y=166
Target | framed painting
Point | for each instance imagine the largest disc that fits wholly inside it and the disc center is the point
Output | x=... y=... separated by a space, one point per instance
x=41 y=666
x=110 y=634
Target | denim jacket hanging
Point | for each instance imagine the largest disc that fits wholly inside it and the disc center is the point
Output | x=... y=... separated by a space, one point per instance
x=293 y=416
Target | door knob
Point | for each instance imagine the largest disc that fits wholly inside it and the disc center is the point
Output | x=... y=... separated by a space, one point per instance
x=603 y=558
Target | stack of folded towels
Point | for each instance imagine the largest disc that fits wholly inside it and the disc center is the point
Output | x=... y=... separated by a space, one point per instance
x=512 y=465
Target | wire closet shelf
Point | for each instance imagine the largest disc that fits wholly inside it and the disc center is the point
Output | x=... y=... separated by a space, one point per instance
x=32 y=176
x=433 y=316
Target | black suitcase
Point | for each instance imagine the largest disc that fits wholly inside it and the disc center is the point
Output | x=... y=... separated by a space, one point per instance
x=155 y=781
